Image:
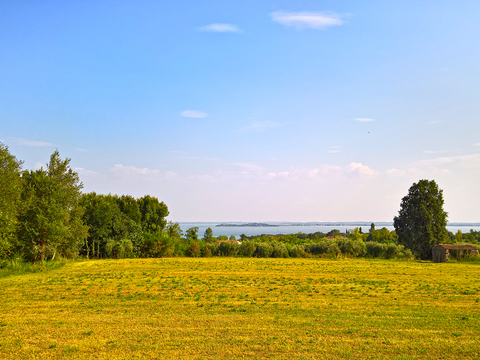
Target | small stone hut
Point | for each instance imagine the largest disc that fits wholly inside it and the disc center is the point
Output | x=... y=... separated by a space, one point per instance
x=442 y=252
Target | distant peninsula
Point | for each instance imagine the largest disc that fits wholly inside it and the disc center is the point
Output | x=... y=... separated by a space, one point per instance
x=247 y=224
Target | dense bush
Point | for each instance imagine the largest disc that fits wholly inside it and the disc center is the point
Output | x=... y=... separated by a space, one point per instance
x=227 y=248
x=264 y=250
x=279 y=251
x=247 y=248
x=351 y=247
x=297 y=251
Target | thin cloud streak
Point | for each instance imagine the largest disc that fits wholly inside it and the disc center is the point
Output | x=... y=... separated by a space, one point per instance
x=193 y=114
x=221 y=27
x=260 y=126
x=27 y=142
x=312 y=20
x=364 y=119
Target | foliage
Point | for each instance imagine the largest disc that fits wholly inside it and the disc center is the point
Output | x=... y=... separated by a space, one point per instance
x=279 y=251
x=208 y=235
x=421 y=221
x=247 y=248
x=227 y=248
x=153 y=213
x=11 y=188
x=50 y=219
x=264 y=250
x=119 y=248
x=297 y=251
x=107 y=222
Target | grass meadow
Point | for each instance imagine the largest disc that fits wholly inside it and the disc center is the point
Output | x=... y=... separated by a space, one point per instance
x=247 y=308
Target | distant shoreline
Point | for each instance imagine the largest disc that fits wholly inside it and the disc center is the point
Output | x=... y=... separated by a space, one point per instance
x=340 y=224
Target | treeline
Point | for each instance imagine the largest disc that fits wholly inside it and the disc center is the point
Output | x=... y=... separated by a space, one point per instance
x=44 y=215
x=333 y=244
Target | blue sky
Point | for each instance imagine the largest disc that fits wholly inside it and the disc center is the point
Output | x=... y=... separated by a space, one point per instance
x=249 y=110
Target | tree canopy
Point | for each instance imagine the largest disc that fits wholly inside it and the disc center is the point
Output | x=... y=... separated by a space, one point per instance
x=11 y=188
x=421 y=222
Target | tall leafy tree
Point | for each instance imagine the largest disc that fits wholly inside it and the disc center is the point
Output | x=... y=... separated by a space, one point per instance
x=129 y=206
x=421 y=222
x=10 y=190
x=153 y=213
x=109 y=228
x=50 y=220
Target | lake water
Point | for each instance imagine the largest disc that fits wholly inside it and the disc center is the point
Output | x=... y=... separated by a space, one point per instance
x=288 y=229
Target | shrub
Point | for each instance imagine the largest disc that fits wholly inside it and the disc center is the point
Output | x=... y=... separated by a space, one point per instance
x=194 y=249
x=334 y=249
x=319 y=248
x=212 y=248
x=228 y=249
x=391 y=251
x=352 y=247
x=119 y=248
x=264 y=250
x=247 y=248
x=375 y=249
x=279 y=251
x=297 y=251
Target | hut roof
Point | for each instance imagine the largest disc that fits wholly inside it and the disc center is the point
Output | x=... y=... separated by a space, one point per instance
x=458 y=247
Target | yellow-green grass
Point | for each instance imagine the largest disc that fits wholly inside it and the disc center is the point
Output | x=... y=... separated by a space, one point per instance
x=223 y=308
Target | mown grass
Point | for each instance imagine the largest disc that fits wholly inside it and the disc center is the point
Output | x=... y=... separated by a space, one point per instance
x=223 y=308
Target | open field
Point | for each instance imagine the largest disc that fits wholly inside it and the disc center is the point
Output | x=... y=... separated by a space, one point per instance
x=223 y=308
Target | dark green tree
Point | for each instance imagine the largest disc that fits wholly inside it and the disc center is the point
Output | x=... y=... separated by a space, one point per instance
x=208 y=235
x=10 y=190
x=108 y=224
x=153 y=214
x=421 y=222
x=192 y=234
x=129 y=206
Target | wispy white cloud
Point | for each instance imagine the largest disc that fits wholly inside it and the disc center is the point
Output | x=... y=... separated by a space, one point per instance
x=435 y=151
x=334 y=150
x=221 y=27
x=396 y=172
x=27 y=142
x=82 y=171
x=364 y=119
x=129 y=169
x=477 y=144
x=260 y=126
x=193 y=114
x=249 y=166
x=440 y=165
x=355 y=167
x=306 y=19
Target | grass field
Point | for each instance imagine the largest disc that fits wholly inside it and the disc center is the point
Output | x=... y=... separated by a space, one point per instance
x=224 y=308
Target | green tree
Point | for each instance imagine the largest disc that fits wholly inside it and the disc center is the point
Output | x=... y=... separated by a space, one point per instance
x=192 y=234
x=107 y=223
x=50 y=219
x=130 y=207
x=153 y=214
x=174 y=231
x=421 y=222
x=11 y=189
x=208 y=235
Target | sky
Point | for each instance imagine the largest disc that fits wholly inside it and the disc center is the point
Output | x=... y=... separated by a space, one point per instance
x=249 y=110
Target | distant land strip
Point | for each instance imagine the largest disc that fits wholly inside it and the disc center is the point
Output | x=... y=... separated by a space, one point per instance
x=363 y=223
